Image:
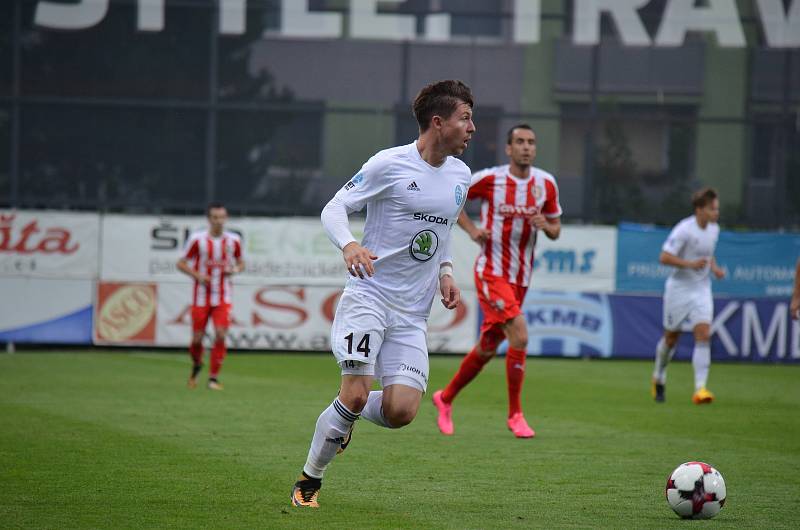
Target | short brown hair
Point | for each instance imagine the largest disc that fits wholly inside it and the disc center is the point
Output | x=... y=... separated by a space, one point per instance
x=213 y=205
x=702 y=197
x=510 y=134
x=440 y=99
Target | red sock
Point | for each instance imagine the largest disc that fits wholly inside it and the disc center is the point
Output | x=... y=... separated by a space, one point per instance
x=217 y=356
x=515 y=375
x=196 y=351
x=470 y=367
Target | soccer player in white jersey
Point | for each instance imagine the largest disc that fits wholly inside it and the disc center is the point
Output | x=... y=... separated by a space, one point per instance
x=687 y=292
x=210 y=258
x=413 y=194
x=517 y=201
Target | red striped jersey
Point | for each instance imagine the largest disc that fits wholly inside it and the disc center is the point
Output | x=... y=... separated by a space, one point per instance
x=507 y=204
x=210 y=256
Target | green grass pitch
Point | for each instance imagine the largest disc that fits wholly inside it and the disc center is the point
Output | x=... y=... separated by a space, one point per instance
x=115 y=440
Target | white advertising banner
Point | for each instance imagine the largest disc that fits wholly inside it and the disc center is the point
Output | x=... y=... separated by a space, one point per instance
x=48 y=244
x=582 y=259
x=46 y=310
x=286 y=317
x=289 y=250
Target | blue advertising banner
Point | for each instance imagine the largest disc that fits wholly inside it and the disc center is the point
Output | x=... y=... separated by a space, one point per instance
x=756 y=264
x=628 y=326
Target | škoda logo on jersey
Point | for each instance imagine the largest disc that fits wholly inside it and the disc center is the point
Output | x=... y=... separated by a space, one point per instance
x=513 y=210
x=423 y=245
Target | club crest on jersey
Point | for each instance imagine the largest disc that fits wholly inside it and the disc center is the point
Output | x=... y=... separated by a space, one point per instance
x=460 y=194
x=537 y=192
x=423 y=245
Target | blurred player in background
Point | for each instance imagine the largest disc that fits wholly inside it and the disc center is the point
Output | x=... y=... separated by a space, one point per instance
x=794 y=306
x=517 y=200
x=687 y=292
x=211 y=256
x=413 y=194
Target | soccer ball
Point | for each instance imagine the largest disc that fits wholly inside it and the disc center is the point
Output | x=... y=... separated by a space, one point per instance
x=695 y=490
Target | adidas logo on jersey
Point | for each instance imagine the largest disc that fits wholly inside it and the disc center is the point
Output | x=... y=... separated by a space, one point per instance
x=413 y=187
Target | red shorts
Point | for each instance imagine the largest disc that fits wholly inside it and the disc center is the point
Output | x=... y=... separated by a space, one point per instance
x=500 y=301
x=219 y=314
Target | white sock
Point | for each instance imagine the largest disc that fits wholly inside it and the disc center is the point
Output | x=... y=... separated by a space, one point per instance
x=373 y=410
x=332 y=427
x=663 y=357
x=701 y=361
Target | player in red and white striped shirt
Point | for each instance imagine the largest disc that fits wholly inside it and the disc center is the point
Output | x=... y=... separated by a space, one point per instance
x=211 y=257
x=517 y=201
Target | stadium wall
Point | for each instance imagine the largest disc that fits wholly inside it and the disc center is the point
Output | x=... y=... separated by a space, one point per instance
x=111 y=279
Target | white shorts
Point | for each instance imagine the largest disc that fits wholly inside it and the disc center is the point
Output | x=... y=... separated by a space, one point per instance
x=689 y=307
x=368 y=338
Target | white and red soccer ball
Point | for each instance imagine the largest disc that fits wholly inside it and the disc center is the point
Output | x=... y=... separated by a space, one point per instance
x=695 y=490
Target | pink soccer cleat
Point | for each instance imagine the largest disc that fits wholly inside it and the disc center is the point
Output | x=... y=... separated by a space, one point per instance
x=444 y=420
x=519 y=426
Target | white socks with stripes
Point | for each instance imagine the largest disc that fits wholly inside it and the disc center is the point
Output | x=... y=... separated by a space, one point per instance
x=333 y=425
x=701 y=361
x=663 y=357
x=373 y=410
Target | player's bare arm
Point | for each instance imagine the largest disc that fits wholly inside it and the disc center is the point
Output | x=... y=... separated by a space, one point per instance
x=719 y=272
x=794 y=306
x=184 y=267
x=358 y=260
x=476 y=233
x=451 y=295
x=674 y=261
x=550 y=226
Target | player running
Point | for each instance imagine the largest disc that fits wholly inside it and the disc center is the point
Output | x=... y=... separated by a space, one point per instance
x=517 y=200
x=211 y=256
x=687 y=292
x=413 y=194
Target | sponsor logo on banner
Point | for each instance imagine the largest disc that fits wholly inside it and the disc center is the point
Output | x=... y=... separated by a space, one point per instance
x=31 y=238
x=758 y=329
x=48 y=244
x=126 y=313
x=582 y=259
x=568 y=324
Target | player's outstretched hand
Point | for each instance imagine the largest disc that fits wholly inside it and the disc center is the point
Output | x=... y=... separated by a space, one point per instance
x=719 y=273
x=358 y=260
x=451 y=296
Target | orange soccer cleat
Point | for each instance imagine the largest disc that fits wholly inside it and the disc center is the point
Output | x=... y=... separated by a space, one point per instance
x=306 y=491
x=702 y=396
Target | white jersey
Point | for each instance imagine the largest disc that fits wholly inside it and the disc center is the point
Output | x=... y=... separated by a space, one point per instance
x=411 y=209
x=690 y=242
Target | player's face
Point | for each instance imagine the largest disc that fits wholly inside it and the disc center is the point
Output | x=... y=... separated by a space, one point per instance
x=216 y=219
x=457 y=130
x=522 y=149
x=710 y=212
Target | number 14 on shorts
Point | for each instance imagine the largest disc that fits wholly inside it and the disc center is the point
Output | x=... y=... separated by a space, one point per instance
x=362 y=345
